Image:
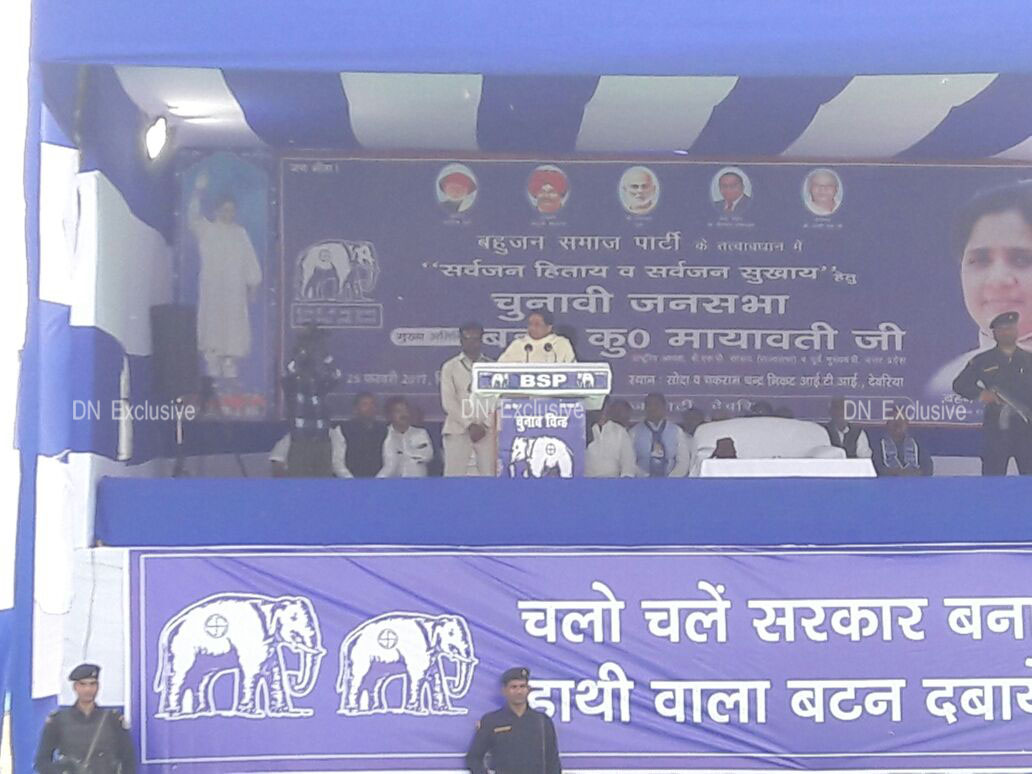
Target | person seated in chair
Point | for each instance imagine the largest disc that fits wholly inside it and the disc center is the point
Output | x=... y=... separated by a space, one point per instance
x=691 y=419
x=898 y=453
x=407 y=450
x=364 y=436
x=280 y=455
x=661 y=448
x=845 y=436
x=610 y=454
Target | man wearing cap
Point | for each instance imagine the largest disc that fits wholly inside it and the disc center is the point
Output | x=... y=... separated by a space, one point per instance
x=521 y=740
x=87 y=739
x=1002 y=379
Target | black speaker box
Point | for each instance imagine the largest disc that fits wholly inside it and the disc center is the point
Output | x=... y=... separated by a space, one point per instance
x=174 y=348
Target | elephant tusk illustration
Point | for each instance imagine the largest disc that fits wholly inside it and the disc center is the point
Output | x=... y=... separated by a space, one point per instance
x=301 y=648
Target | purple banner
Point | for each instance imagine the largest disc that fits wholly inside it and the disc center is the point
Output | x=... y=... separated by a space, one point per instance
x=541 y=437
x=673 y=659
x=716 y=285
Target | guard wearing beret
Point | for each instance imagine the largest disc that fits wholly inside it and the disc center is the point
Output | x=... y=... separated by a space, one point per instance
x=1002 y=379
x=520 y=740
x=86 y=738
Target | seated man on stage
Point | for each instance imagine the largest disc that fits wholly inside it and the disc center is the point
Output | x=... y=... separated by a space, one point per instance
x=610 y=454
x=898 y=453
x=541 y=344
x=691 y=419
x=280 y=455
x=1002 y=379
x=845 y=436
x=407 y=450
x=661 y=448
x=364 y=436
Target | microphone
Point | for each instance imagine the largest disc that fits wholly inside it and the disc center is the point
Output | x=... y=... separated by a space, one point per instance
x=548 y=348
x=528 y=348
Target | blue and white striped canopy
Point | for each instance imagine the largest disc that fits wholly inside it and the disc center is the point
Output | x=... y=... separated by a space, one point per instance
x=854 y=79
x=935 y=117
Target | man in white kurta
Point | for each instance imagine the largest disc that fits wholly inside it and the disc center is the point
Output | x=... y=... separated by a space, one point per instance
x=229 y=273
x=407 y=450
x=611 y=451
x=468 y=420
x=540 y=345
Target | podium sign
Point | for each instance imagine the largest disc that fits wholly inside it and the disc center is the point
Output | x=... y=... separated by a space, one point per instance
x=553 y=380
x=541 y=437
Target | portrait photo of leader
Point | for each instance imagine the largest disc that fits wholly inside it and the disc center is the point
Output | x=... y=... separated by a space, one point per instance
x=548 y=189
x=822 y=192
x=456 y=188
x=991 y=242
x=731 y=191
x=639 y=190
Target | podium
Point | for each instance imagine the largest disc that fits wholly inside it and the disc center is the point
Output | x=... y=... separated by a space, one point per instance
x=541 y=414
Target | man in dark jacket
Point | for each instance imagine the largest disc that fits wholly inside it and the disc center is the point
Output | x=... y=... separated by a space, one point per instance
x=87 y=739
x=521 y=740
x=1002 y=379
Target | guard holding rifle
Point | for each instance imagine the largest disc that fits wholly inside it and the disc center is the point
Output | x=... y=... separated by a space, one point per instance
x=1002 y=379
x=87 y=739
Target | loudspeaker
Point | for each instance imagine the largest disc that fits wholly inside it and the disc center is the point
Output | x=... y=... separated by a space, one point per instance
x=174 y=348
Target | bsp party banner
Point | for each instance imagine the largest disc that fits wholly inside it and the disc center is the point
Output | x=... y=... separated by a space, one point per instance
x=717 y=285
x=661 y=659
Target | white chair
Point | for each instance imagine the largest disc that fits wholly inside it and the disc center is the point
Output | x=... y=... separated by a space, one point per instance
x=765 y=438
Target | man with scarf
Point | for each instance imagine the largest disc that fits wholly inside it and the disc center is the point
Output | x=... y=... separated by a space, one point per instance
x=310 y=375
x=661 y=448
x=898 y=453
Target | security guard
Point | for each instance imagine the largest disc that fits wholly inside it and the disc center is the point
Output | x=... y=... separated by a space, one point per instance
x=521 y=740
x=1002 y=379
x=88 y=739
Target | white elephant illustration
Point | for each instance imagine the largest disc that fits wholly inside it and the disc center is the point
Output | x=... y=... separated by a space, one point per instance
x=363 y=271
x=337 y=270
x=412 y=648
x=247 y=636
x=586 y=380
x=541 y=456
x=499 y=380
x=324 y=268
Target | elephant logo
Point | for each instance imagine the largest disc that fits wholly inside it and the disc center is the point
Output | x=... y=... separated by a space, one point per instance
x=337 y=270
x=541 y=456
x=499 y=381
x=586 y=381
x=415 y=650
x=247 y=636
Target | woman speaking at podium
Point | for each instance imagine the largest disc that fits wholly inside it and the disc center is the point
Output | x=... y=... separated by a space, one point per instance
x=540 y=345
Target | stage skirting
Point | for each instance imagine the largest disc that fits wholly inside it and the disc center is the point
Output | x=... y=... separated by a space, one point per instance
x=601 y=512
x=346 y=659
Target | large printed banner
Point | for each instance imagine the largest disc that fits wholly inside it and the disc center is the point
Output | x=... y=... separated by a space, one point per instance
x=671 y=659
x=716 y=285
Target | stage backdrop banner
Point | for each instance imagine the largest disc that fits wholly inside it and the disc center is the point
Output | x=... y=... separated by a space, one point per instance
x=671 y=659
x=716 y=284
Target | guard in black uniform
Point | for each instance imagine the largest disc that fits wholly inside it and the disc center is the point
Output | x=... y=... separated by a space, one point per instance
x=1002 y=379
x=87 y=739
x=521 y=740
